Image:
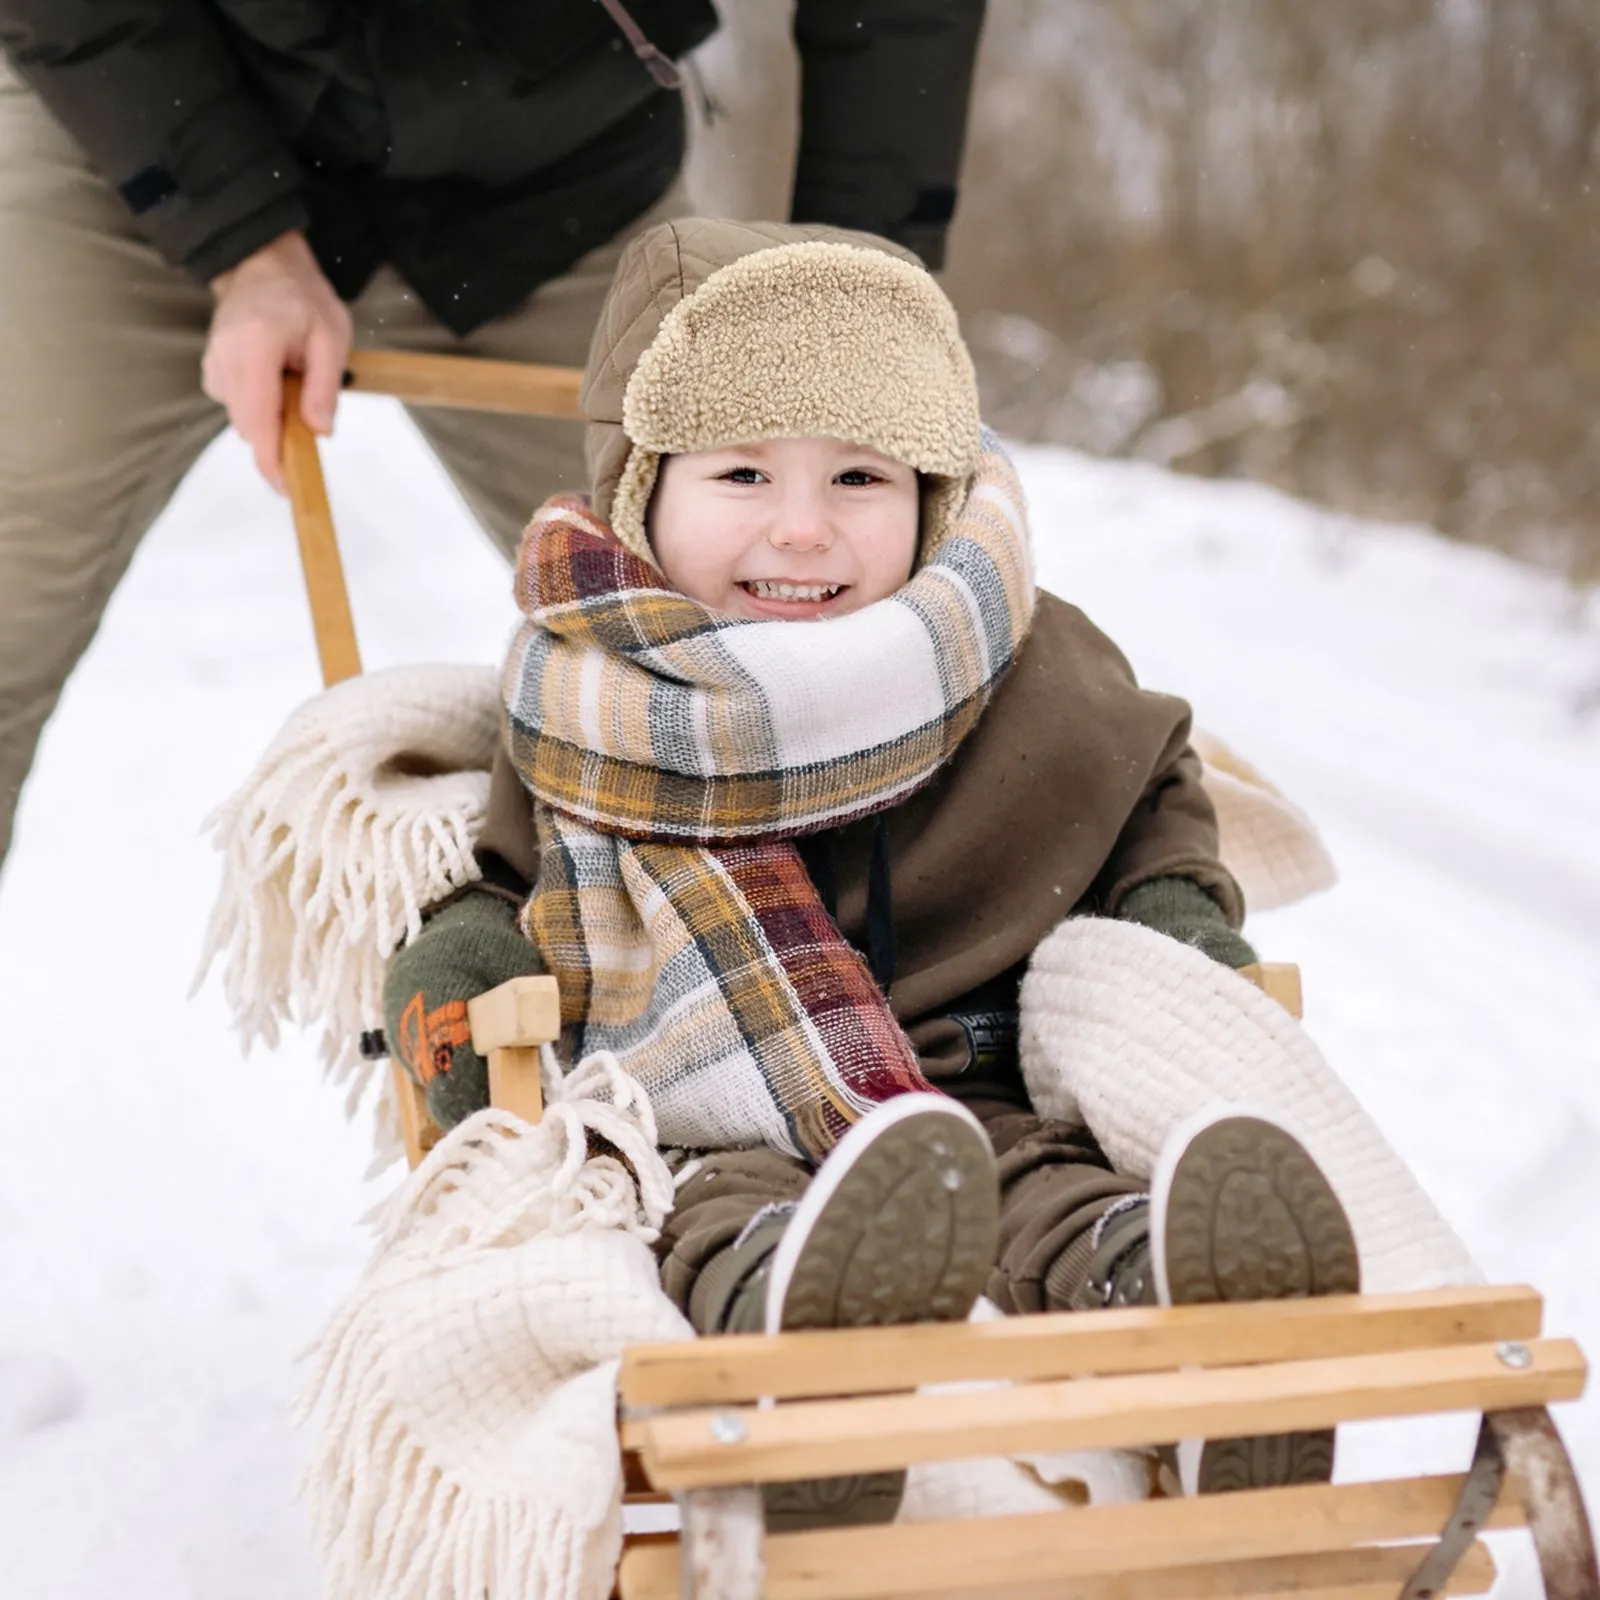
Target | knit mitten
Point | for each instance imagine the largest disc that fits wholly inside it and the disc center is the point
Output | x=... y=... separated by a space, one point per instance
x=1181 y=909
x=464 y=950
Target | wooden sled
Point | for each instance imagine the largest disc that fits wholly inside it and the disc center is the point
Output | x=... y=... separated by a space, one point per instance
x=705 y=1423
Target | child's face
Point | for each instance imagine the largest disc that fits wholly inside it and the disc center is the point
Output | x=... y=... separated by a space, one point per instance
x=795 y=529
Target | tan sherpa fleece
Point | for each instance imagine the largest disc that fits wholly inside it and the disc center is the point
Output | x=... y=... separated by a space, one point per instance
x=719 y=333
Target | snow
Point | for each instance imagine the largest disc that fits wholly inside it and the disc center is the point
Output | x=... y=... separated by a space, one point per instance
x=175 y=1223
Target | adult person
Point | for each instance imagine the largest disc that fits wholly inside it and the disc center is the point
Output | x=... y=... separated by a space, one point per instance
x=231 y=189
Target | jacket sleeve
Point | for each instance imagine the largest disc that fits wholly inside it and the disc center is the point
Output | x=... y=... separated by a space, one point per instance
x=151 y=91
x=883 y=115
x=1171 y=833
x=508 y=846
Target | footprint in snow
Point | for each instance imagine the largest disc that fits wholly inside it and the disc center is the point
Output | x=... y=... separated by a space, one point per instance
x=36 y=1392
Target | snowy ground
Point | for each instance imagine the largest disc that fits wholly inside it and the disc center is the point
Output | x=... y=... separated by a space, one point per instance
x=174 y=1223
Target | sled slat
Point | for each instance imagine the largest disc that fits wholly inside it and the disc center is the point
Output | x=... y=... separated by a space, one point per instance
x=1291 y=1578
x=1343 y=1575
x=1258 y=1542
x=467 y=382
x=789 y=1366
x=682 y=1450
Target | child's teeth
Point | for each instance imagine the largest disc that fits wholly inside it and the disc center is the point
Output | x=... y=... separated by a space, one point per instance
x=795 y=591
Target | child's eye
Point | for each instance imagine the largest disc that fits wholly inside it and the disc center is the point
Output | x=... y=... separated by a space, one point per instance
x=741 y=475
x=857 y=478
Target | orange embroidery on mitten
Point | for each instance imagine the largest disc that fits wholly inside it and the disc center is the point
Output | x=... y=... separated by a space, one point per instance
x=428 y=1039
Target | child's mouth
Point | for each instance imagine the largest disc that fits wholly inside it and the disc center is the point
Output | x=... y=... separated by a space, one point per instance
x=792 y=599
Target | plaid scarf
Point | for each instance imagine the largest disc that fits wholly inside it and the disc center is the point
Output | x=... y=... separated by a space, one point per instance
x=673 y=752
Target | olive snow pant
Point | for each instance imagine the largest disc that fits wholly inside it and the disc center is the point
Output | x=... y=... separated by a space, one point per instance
x=101 y=412
x=1055 y=1184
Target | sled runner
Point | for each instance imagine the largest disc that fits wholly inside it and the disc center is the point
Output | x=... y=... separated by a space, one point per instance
x=706 y=1422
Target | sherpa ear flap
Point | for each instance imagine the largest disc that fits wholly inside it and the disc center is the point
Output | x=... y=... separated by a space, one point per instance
x=804 y=340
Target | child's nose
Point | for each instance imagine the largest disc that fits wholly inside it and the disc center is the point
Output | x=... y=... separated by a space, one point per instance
x=801 y=523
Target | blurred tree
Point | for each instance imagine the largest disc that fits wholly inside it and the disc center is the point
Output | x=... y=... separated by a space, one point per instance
x=1348 y=249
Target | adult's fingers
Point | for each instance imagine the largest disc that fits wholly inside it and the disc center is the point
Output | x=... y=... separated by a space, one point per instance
x=326 y=350
x=255 y=407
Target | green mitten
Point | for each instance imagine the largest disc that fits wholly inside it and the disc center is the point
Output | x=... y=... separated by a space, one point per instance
x=464 y=950
x=1181 y=909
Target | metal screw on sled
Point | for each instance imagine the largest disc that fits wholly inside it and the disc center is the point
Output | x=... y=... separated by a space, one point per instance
x=728 y=1429
x=1514 y=1355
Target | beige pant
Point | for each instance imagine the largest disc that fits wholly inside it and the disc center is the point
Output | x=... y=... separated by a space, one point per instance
x=101 y=412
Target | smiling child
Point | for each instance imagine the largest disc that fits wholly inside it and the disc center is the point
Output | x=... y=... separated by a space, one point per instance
x=791 y=876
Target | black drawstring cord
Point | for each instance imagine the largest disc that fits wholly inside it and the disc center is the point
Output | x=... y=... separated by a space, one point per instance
x=880 y=908
x=818 y=852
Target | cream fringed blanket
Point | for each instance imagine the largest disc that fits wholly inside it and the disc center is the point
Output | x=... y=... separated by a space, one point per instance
x=362 y=812
x=465 y=1395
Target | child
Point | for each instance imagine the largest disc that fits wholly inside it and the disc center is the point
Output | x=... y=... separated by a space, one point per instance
x=792 y=875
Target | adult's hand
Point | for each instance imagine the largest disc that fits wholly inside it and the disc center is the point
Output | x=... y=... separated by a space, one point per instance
x=275 y=312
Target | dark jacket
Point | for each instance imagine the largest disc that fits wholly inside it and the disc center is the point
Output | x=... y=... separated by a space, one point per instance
x=481 y=146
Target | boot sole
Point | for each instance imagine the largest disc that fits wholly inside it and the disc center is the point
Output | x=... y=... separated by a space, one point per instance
x=900 y=1225
x=1242 y=1212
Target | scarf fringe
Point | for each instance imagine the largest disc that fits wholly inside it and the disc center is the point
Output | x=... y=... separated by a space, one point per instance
x=362 y=812
x=392 y=1519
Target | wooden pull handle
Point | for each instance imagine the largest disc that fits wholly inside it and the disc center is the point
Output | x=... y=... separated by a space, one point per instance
x=468 y=382
x=319 y=544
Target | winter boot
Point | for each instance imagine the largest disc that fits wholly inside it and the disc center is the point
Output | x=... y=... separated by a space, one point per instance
x=900 y=1224
x=1238 y=1210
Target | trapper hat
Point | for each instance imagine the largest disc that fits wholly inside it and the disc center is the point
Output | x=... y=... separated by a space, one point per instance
x=718 y=333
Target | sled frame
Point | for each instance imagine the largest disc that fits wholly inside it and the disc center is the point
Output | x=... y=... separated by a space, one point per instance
x=707 y=1422
x=713 y=1419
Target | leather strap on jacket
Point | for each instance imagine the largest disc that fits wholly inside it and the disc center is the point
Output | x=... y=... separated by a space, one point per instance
x=662 y=68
